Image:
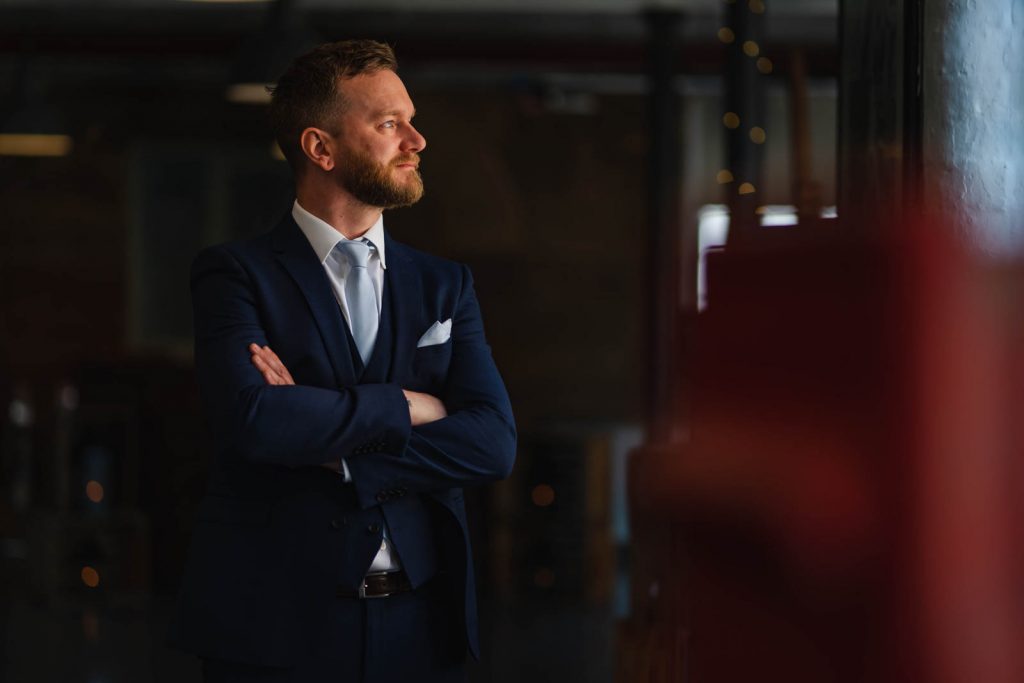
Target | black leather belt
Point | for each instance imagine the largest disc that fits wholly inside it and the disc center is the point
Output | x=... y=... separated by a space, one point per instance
x=378 y=585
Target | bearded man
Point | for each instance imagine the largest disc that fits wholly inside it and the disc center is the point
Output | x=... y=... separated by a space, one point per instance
x=351 y=393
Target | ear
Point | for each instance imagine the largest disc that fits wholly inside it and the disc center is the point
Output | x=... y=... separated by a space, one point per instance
x=318 y=146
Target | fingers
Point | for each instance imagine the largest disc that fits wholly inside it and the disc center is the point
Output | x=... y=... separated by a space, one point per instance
x=268 y=373
x=276 y=364
x=270 y=366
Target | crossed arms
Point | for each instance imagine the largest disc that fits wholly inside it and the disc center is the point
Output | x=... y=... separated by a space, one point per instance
x=465 y=436
x=423 y=408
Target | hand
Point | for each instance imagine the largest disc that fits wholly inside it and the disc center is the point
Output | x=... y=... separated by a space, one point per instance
x=424 y=408
x=276 y=374
x=270 y=366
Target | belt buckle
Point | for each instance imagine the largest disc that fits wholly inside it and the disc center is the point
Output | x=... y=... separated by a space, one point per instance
x=363 y=596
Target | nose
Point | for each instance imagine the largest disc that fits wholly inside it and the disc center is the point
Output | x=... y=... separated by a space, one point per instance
x=413 y=141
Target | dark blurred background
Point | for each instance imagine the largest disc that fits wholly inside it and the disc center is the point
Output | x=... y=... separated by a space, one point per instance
x=750 y=270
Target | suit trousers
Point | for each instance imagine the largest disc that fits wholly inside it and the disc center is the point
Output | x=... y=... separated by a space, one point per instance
x=412 y=636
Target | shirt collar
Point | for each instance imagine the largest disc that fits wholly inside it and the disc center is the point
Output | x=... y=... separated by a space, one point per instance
x=323 y=238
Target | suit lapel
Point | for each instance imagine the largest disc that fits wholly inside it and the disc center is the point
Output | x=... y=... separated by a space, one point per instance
x=294 y=252
x=406 y=305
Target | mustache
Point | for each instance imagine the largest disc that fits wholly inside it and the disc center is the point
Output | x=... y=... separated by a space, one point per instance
x=407 y=159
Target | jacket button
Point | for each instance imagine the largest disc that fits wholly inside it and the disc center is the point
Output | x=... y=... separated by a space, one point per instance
x=381 y=497
x=373 y=528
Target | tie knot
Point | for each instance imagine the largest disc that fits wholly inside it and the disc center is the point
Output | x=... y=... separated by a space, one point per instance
x=356 y=252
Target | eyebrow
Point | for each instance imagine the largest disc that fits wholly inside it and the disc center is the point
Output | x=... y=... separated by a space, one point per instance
x=393 y=112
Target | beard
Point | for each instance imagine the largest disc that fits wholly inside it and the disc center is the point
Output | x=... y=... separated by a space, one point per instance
x=374 y=184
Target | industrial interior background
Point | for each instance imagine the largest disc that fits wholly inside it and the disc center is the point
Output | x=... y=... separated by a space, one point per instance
x=750 y=269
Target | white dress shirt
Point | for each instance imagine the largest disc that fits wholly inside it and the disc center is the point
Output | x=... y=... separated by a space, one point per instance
x=323 y=238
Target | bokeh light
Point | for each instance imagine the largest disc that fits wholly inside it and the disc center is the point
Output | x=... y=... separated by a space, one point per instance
x=90 y=577
x=542 y=495
x=94 y=491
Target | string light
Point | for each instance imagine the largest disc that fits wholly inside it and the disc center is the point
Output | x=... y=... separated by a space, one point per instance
x=731 y=120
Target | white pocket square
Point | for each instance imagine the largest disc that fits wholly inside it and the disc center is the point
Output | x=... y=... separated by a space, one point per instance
x=439 y=333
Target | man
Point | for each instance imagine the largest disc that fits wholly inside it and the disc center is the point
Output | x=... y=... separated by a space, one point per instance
x=352 y=394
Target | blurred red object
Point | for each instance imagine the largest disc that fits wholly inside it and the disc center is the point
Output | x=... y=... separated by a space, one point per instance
x=846 y=506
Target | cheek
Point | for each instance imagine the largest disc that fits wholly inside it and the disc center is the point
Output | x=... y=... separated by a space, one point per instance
x=380 y=152
x=368 y=144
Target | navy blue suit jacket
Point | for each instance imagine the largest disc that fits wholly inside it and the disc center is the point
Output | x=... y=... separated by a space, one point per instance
x=277 y=533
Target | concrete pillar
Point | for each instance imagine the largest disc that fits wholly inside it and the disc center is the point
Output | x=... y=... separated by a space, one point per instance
x=973 y=119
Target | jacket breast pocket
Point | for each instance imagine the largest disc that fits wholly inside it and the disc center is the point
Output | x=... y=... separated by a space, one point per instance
x=224 y=510
x=430 y=366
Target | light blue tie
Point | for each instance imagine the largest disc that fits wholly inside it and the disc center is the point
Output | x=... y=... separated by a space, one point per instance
x=359 y=295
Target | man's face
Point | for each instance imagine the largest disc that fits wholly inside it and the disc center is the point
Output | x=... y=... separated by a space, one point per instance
x=378 y=147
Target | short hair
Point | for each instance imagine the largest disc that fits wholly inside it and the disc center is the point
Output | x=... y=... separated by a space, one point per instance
x=307 y=93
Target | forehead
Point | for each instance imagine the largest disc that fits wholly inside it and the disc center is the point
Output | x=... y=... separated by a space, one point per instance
x=374 y=93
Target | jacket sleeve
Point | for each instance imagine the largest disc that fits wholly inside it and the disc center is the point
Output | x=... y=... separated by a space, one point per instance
x=477 y=441
x=282 y=425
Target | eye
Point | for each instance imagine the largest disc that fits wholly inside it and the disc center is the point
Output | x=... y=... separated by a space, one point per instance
x=388 y=124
